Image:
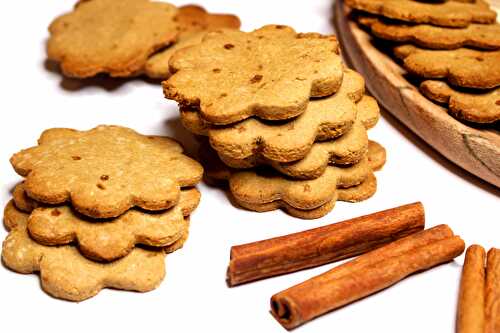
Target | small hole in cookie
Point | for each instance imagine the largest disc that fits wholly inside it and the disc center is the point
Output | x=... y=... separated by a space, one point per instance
x=55 y=212
x=497 y=102
x=100 y=186
x=279 y=27
x=228 y=46
x=260 y=67
x=260 y=37
x=216 y=70
x=223 y=95
x=104 y=177
x=479 y=58
x=76 y=158
x=256 y=78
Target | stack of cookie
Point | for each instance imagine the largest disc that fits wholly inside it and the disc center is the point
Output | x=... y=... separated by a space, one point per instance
x=286 y=121
x=127 y=38
x=452 y=47
x=99 y=208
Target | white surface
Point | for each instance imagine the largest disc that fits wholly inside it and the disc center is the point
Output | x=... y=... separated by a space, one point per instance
x=194 y=296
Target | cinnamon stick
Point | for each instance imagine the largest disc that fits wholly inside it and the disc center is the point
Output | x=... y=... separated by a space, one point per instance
x=492 y=291
x=470 y=313
x=365 y=275
x=314 y=247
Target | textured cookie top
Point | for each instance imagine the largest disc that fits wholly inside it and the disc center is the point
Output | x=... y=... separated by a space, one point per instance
x=290 y=140
x=461 y=67
x=110 y=239
x=66 y=274
x=270 y=72
x=105 y=171
x=469 y=106
x=450 y=13
x=193 y=22
x=109 y=36
x=483 y=36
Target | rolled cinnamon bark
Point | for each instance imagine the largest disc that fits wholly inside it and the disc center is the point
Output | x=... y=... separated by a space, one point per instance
x=492 y=291
x=365 y=275
x=314 y=247
x=470 y=313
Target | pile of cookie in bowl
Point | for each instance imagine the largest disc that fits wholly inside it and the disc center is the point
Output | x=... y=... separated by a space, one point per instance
x=451 y=49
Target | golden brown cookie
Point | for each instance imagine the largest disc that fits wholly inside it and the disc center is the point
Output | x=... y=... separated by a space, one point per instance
x=473 y=106
x=112 y=239
x=270 y=73
x=105 y=171
x=377 y=155
x=286 y=141
x=109 y=36
x=66 y=274
x=356 y=193
x=482 y=36
x=368 y=111
x=347 y=149
x=449 y=14
x=461 y=67
x=194 y=22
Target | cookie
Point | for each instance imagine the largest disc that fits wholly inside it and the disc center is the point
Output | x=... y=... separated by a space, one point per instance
x=477 y=107
x=105 y=171
x=461 y=67
x=260 y=186
x=368 y=111
x=448 y=14
x=22 y=201
x=350 y=148
x=287 y=141
x=66 y=274
x=90 y=40
x=377 y=155
x=113 y=239
x=356 y=193
x=347 y=149
x=194 y=22
x=270 y=73
x=481 y=36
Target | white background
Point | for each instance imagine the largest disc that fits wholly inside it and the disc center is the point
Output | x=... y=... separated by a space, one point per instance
x=194 y=296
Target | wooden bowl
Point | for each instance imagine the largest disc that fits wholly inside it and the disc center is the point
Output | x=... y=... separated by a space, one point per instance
x=475 y=150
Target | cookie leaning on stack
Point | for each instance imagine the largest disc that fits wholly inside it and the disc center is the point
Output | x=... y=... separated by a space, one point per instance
x=282 y=105
x=91 y=201
x=137 y=38
x=454 y=50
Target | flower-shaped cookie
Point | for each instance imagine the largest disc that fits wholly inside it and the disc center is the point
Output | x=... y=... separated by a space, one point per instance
x=109 y=239
x=66 y=274
x=447 y=13
x=474 y=107
x=194 y=22
x=105 y=171
x=270 y=72
x=461 y=67
x=109 y=36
